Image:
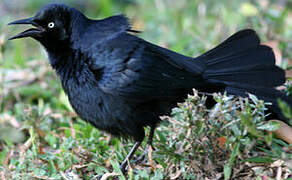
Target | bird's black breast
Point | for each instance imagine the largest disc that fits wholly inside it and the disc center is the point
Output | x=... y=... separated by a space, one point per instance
x=105 y=111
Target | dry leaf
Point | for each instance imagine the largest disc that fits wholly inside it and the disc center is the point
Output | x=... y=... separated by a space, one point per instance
x=221 y=142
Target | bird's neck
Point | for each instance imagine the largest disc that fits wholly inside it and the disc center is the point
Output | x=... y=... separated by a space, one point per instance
x=71 y=66
x=56 y=47
x=59 y=61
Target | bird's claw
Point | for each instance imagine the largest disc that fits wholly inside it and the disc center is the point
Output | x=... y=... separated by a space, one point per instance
x=141 y=158
x=124 y=167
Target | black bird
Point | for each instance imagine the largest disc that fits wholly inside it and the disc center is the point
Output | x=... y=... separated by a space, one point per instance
x=121 y=83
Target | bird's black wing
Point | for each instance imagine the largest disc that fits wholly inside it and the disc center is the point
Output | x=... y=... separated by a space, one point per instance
x=128 y=66
x=133 y=68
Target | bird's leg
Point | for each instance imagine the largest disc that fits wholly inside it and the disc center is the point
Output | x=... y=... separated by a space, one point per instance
x=123 y=166
x=148 y=145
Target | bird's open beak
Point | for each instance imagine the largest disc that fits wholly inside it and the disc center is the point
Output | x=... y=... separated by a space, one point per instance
x=32 y=32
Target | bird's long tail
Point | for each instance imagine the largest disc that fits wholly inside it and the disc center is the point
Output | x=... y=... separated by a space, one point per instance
x=241 y=64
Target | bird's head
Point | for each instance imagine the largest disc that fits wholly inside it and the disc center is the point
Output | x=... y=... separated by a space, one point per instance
x=52 y=25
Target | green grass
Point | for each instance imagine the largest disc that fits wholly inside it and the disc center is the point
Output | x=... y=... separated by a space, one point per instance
x=41 y=137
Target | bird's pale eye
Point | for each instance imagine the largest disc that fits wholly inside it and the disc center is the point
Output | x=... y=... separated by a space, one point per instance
x=51 y=25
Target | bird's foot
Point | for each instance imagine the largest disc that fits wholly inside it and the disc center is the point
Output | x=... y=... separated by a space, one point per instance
x=146 y=157
x=142 y=159
x=124 y=167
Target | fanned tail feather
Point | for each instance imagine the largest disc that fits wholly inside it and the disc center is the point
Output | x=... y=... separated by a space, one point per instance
x=242 y=65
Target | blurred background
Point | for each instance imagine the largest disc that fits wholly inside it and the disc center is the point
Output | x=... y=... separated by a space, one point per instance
x=35 y=117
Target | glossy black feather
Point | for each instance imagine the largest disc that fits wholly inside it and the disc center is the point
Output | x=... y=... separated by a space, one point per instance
x=121 y=83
